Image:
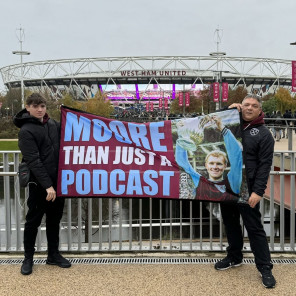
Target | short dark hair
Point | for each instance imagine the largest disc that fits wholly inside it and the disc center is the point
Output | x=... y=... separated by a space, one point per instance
x=35 y=99
x=253 y=96
x=217 y=153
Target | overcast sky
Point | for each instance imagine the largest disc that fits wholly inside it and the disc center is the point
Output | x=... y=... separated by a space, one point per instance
x=58 y=29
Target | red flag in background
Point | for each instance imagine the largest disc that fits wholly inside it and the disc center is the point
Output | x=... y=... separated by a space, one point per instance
x=160 y=103
x=151 y=106
x=293 y=76
x=187 y=99
x=166 y=103
x=216 y=91
x=224 y=92
x=180 y=99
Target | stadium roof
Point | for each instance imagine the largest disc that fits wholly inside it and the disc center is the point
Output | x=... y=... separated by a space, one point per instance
x=146 y=70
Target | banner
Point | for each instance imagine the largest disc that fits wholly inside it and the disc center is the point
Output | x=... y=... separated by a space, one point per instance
x=195 y=158
x=216 y=91
x=224 y=92
x=187 y=99
x=293 y=76
x=180 y=99
x=137 y=92
x=151 y=106
x=166 y=103
x=160 y=103
x=174 y=92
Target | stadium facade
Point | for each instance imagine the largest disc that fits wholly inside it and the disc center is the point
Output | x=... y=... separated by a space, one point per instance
x=141 y=79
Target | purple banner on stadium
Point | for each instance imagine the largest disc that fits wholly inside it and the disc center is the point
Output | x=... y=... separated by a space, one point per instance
x=174 y=92
x=137 y=92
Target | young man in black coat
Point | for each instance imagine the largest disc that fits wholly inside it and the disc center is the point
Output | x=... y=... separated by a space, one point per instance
x=38 y=141
x=258 y=146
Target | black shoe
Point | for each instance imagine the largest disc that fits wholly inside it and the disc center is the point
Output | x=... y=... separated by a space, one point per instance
x=27 y=266
x=268 y=279
x=59 y=260
x=227 y=263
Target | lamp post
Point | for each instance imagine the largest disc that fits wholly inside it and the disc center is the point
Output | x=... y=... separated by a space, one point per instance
x=21 y=52
x=7 y=110
x=218 y=54
x=290 y=129
x=218 y=75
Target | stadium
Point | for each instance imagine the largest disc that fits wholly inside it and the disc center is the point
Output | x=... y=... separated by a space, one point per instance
x=129 y=80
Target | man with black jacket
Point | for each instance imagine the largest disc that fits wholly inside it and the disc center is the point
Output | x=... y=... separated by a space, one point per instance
x=38 y=141
x=258 y=146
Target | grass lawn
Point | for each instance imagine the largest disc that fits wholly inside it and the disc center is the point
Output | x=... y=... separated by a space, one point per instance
x=9 y=145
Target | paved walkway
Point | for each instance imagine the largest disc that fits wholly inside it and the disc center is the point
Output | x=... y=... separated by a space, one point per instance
x=145 y=279
x=283 y=143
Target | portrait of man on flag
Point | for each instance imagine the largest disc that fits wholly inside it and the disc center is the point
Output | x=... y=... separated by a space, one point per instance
x=209 y=156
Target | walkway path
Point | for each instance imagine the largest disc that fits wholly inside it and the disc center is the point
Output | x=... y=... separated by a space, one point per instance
x=144 y=280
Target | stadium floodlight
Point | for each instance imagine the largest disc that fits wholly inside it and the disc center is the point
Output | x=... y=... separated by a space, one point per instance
x=217 y=53
x=21 y=52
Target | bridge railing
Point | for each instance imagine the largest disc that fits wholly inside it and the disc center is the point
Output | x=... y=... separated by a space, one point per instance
x=121 y=224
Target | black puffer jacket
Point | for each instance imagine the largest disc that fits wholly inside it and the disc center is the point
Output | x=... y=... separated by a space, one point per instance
x=258 y=145
x=39 y=144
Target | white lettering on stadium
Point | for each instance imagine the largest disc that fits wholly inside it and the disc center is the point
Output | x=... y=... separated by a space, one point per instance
x=134 y=73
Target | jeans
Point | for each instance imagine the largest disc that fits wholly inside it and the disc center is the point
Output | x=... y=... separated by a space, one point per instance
x=257 y=236
x=38 y=206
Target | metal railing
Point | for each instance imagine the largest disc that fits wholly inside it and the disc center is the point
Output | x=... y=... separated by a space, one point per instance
x=124 y=224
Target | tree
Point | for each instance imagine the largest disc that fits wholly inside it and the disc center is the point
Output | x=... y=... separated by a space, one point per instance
x=195 y=106
x=69 y=101
x=98 y=105
x=270 y=105
x=284 y=100
x=208 y=103
x=12 y=101
x=236 y=95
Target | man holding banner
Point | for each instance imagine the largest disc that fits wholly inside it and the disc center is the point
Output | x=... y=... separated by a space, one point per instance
x=39 y=144
x=258 y=152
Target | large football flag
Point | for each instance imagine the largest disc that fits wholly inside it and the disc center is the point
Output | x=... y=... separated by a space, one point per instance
x=195 y=158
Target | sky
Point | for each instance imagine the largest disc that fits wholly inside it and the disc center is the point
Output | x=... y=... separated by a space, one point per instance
x=59 y=29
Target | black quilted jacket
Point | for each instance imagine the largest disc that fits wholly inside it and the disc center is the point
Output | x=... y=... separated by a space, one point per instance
x=39 y=144
x=258 y=146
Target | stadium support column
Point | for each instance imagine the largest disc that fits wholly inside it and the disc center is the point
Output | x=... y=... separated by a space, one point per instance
x=183 y=100
x=220 y=90
x=218 y=54
x=290 y=128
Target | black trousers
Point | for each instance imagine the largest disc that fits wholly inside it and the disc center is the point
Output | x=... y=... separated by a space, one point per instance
x=252 y=221
x=38 y=206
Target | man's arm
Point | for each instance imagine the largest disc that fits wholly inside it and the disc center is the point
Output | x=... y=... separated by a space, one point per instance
x=234 y=153
x=182 y=160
